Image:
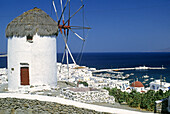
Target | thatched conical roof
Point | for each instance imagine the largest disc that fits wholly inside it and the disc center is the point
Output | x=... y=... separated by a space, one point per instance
x=32 y=22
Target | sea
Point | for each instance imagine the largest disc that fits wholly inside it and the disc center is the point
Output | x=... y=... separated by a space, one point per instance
x=122 y=60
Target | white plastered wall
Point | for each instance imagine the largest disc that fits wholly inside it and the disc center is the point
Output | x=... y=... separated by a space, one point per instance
x=41 y=57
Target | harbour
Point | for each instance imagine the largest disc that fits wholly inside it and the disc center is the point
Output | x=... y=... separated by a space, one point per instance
x=135 y=68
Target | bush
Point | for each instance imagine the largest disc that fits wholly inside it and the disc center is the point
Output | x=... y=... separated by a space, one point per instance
x=136 y=99
x=84 y=83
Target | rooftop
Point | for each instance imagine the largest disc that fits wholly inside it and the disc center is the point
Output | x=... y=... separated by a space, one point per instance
x=32 y=22
x=137 y=84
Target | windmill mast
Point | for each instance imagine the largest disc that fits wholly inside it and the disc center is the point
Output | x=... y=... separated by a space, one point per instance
x=64 y=29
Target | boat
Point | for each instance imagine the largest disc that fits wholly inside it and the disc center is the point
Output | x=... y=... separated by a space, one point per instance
x=123 y=77
x=127 y=75
x=146 y=85
x=145 y=76
x=151 y=78
x=146 y=79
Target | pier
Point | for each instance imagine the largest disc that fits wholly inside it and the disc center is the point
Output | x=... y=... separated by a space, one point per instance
x=135 y=68
x=5 y=55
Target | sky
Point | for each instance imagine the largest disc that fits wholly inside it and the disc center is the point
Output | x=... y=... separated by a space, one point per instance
x=117 y=25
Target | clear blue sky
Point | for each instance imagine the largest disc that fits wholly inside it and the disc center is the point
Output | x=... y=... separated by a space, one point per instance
x=117 y=25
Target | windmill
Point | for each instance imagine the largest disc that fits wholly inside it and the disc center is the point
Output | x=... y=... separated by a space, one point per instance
x=65 y=28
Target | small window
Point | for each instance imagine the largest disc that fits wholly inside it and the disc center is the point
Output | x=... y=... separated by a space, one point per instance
x=30 y=39
x=24 y=64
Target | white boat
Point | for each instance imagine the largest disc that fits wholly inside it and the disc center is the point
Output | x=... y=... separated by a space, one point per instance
x=151 y=78
x=131 y=73
x=145 y=76
x=146 y=79
x=142 y=68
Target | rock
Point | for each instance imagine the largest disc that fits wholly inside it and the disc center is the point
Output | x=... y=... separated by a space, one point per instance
x=12 y=111
x=7 y=111
x=29 y=111
x=2 y=111
x=26 y=105
x=65 y=110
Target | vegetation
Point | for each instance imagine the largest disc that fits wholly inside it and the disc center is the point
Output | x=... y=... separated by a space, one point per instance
x=84 y=83
x=138 y=100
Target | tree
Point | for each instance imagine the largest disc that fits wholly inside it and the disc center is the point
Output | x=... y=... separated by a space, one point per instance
x=84 y=83
x=136 y=99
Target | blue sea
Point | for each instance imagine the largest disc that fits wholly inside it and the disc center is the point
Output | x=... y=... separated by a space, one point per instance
x=123 y=60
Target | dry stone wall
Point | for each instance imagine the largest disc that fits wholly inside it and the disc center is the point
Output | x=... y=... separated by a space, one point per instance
x=24 y=106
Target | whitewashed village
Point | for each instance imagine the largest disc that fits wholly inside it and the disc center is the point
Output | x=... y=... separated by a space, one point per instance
x=33 y=70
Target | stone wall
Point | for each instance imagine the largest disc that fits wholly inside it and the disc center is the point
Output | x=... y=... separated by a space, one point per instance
x=91 y=96
x=24 y=106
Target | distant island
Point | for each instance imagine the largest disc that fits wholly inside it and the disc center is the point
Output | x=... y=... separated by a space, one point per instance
x=162 y=50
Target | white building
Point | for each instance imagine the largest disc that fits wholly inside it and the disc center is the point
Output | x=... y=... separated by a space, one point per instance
x=138 y=86
x=73 y=73
x=157 y=85
x=31 y=50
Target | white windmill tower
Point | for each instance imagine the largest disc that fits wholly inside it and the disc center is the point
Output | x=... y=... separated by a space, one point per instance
x=32 y=50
